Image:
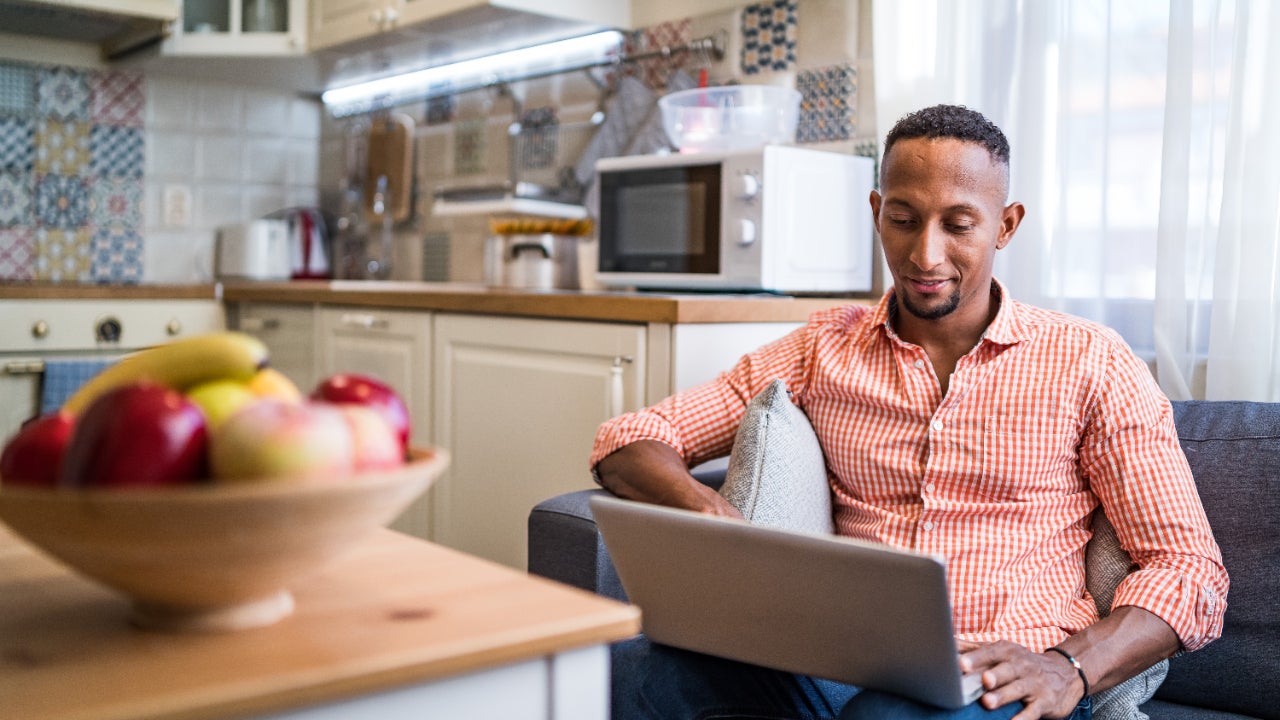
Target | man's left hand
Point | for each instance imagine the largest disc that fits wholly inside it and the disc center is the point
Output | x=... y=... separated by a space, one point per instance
x=1046 y=683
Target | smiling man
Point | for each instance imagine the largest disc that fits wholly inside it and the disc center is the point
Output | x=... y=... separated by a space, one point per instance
x=960 y=422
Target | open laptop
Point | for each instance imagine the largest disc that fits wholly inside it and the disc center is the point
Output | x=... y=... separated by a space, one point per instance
x=819 y=605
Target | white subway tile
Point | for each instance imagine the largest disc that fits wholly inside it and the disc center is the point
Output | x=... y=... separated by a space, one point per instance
x=170 y=103
x=304 y=162
x=259 y=201
x=220 y=107
x=267 y=161
x=171 y=155
x=304 y=118
x=220 y=157
x=266 y=113
x=218 y=205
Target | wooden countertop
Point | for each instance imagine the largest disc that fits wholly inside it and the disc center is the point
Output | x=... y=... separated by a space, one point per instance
x=609 y=306
x=395 y=611
x=570 y=304
x=44 y=291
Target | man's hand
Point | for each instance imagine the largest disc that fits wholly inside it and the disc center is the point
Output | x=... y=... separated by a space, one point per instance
x=654 y=472
x=1045 y=682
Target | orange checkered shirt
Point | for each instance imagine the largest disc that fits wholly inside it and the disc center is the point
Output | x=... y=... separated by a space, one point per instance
x=1046 y=416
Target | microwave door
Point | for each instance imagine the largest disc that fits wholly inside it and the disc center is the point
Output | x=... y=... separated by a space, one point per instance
x=661 y=220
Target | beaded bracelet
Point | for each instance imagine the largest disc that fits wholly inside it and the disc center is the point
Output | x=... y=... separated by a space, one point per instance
x=1075 y=664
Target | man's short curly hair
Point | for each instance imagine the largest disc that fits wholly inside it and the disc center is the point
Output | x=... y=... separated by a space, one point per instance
x=950 y=121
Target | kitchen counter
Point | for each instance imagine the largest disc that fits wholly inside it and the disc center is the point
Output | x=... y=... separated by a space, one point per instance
x=43 y=291
x=395 y=613
x=567 y=304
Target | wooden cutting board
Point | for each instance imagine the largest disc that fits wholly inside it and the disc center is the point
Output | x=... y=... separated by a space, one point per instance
x=390 y=159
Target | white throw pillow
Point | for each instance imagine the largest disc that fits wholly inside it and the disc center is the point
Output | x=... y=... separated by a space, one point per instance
x=777 y=475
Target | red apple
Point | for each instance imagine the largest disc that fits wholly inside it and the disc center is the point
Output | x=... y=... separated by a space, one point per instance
x=364 y=390
x=376 y=443
x=34 y=455
x=272 y=439
x=140 y=435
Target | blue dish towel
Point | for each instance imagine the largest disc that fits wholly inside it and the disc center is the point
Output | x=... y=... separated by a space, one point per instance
x=64 y=377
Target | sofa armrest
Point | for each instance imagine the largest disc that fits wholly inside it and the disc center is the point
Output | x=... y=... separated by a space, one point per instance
x=565 y=545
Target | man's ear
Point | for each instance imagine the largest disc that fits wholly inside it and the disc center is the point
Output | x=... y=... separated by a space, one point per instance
x=876 y=201
x=1010 y=219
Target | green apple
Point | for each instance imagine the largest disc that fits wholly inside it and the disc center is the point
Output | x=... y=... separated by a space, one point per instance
x=273 y=439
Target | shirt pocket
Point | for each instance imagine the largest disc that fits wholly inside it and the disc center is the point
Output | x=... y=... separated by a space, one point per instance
x=1029 y=458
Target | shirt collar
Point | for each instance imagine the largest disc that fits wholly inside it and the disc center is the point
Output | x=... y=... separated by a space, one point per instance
x=1009 y=326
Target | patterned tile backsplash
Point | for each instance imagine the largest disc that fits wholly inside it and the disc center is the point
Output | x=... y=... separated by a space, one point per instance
x=71 y=162
x=87 y=154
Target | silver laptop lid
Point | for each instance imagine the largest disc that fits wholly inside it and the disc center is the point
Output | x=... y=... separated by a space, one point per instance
x=819 y=605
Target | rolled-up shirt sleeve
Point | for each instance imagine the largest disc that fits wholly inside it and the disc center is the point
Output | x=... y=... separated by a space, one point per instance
x=1141 y=476
x=700 y=422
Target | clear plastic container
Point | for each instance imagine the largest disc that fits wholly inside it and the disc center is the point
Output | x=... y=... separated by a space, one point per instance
x=731 y=117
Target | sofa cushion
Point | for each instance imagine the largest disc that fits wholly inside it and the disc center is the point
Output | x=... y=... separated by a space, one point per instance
x=777 y=475
x=1234 y=452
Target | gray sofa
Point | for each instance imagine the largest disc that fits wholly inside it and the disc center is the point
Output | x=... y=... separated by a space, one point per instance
x=1234 y=452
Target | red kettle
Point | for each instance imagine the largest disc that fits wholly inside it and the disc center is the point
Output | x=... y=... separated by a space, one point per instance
x=308 y=254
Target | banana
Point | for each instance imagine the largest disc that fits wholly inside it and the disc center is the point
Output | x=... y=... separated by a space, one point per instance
x=179 y=365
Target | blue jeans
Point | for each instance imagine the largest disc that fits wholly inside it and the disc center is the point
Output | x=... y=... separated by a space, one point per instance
x=658 y=682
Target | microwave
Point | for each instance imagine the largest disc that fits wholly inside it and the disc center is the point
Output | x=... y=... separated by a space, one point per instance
x=775 y=218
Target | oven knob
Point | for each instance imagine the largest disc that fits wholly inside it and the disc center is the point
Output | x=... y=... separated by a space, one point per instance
x=40 y=330
x=748 y=186
x=108 y=330
x=747 y=232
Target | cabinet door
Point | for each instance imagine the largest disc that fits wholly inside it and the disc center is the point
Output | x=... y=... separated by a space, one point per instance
x=337 y=21
x=289 y=332
x=517 y=403
x=395 y=347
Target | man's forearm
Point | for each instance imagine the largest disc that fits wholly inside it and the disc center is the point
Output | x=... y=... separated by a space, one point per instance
x=1121 y=645
x=653 y=472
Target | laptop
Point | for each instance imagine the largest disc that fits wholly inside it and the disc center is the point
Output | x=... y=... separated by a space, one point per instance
x=819 y=605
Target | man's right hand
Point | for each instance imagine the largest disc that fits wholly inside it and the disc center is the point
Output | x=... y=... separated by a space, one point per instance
x=653 y=472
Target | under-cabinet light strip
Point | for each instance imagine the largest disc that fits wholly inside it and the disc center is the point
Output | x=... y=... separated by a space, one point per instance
x=548 y=58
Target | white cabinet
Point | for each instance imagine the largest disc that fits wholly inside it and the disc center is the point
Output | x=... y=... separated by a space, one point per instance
x=395 y=347
x=517 y=402
x=288 y=331
x=239 y=28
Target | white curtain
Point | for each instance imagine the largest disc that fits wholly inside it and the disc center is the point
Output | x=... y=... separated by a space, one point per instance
x=1141 y=150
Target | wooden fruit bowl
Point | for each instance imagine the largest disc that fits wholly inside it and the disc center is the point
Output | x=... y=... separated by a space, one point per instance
x=213 y=557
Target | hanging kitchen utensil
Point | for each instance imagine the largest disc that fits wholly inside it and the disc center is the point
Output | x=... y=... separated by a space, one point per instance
x=389 y=172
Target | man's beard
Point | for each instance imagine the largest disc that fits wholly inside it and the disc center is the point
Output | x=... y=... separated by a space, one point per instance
x=938 y=311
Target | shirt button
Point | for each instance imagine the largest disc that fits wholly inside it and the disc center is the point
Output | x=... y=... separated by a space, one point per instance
x=927 y=525
x=919 y=364
x=936 y=425
x=928 y=487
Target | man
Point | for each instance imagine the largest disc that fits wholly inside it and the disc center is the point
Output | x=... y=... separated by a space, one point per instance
x=957 y=421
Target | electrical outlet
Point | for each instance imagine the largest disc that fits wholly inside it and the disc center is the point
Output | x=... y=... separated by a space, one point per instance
x=177 y=206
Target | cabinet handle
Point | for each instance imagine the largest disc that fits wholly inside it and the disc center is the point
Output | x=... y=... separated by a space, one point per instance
x=23 y=367
x=40 y=329
x=257 y=324
x=173 y=327
x=616 y=387
x=367 y=322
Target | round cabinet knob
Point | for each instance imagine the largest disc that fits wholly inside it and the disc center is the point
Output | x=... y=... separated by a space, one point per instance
x=173 y=327
x=108 y=330
x=746 y=231
x=748 y=186
x=390 y=16
x=40 y=329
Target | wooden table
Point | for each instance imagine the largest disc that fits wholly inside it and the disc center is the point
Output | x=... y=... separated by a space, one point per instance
x=397 y=628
